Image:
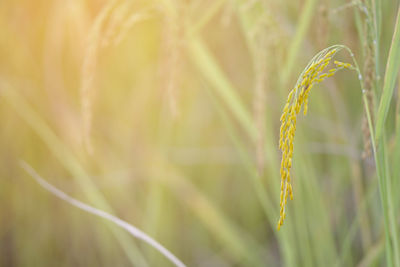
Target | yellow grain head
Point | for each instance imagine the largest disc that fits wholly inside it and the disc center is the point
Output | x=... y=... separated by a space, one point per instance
x=314 y=73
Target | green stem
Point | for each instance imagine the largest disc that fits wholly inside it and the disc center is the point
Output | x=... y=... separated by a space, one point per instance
x=384 y=186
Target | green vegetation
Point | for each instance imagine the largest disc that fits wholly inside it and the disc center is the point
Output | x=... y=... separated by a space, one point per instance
x=162 y=118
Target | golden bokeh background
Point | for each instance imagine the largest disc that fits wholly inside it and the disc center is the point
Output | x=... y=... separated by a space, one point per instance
x=166 y=113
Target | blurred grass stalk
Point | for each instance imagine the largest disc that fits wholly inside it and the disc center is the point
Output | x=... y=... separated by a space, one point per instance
x=205 y=62
x=370 y=38
x=214 y=220
x=391 y=74
x=221 y=84
x=306 y=16
x=71 y=164
x=102 y=214
x=380 y=145
x=309 y=238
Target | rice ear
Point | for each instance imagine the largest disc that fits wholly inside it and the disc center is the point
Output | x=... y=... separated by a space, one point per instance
x=313 y=74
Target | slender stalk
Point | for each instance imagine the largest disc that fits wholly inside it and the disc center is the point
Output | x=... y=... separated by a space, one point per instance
x=392 y=68
x=71 y=163
x=382 y=186
x=379 y=156
x=102 y=214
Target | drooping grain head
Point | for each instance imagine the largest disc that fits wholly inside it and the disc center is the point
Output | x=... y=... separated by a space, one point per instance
x=313 y=74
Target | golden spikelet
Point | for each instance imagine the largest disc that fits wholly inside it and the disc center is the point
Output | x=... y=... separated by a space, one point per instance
x=314 y=73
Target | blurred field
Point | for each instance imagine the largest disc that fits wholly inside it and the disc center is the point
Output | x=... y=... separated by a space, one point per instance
x=166 y=113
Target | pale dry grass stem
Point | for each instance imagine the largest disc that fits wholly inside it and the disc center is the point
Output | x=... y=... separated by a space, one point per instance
x=132 y=230
x=313 y=74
